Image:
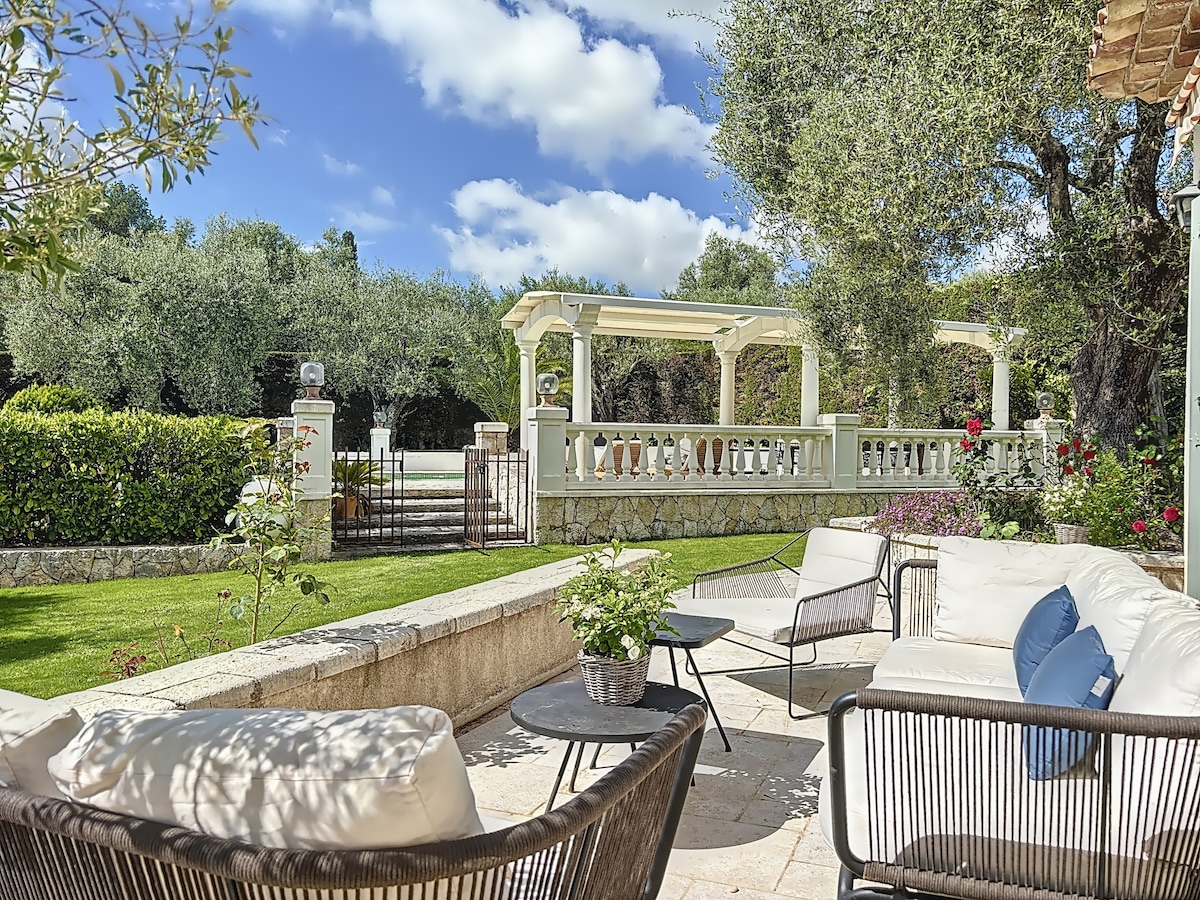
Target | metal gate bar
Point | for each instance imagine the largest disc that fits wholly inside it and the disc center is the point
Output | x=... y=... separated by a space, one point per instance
x=496 y=501
x=371 y=508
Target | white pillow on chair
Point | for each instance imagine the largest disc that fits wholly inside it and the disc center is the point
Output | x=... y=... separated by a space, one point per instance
x=31 y=731
x=279 y=777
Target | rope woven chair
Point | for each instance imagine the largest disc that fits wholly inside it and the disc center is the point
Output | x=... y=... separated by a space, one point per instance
x=837 y=583
x=610 y=842
x=930 y=797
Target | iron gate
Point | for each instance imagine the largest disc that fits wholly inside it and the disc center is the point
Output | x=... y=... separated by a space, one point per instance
x=496 y=505
x=371 y=507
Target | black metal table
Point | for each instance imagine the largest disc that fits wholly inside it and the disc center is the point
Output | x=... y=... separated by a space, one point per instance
x=563 y=710
x=694 y=632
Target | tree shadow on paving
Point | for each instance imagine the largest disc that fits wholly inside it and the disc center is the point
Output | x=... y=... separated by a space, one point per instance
x=512 y=748
x=814 y=687
x=762 y=783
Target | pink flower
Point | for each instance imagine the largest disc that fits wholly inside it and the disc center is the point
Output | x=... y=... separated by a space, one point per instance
x=974 y=427
x=965 y=444
x=1139 y=526
x=1171 y=514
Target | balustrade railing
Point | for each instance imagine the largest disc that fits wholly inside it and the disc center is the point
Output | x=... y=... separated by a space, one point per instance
x=614 y=454
x=926 y=458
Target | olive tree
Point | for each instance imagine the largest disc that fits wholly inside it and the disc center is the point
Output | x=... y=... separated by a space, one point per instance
x=898 y=148
x=174 y=88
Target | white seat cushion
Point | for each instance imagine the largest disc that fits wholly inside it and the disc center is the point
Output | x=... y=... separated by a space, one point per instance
x=948 y=661
x=1114 y=594
x=948 y=688
x=769 y=618
x=279 y=777
x=986 y=588
x=32 y=731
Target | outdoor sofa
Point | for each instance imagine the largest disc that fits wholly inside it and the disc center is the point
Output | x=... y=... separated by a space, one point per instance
x=349 y=805
x=968 y=768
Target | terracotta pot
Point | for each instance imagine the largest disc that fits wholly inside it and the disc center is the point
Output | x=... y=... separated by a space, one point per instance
x=345 y=507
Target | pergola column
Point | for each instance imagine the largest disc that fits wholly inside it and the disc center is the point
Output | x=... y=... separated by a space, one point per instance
x=1000 y=389
x=810 y=387
x=528 y=351
x=581 y=374
x=728 y=360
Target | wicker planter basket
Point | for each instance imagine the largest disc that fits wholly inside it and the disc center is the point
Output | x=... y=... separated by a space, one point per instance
x=614 y=683
x=1071 y=534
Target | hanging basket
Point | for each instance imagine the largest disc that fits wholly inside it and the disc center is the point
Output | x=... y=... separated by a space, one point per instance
x=612 y=682
x=1071 y=534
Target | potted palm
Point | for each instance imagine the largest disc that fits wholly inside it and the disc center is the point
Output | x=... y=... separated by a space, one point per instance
x=352 y=480
x=615 y=615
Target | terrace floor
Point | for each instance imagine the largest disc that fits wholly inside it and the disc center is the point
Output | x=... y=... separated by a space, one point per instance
x=750 y=825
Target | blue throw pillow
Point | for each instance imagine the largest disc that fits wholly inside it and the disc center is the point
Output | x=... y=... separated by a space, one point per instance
x=1051 y=619
x=1076 y=673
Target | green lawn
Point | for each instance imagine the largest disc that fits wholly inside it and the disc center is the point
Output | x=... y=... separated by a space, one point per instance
x=57 y=639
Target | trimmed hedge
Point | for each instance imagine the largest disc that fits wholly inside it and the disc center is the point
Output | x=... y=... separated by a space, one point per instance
x=51 y=399
x=116 y=478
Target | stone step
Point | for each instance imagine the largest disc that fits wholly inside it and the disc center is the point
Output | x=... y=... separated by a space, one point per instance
x=454 y=518
x=424 y=504
x=432 y=546
x=423 y=534
x=421 y=490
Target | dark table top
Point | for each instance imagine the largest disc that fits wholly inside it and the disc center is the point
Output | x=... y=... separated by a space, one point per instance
x=694 y=631
x=564 y=710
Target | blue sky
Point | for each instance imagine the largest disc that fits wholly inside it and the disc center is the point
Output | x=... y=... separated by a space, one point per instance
x=478 y=136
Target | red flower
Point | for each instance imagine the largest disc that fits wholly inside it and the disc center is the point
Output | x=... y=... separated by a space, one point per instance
x=975 y=427
x=1087 y=470
x=1147 y=460
x=1076 y=445
x=1068 y=470
x=1171 y=514
x=965 y=444
x=1089 y=453
x=1139 y=526
x=1063 y=449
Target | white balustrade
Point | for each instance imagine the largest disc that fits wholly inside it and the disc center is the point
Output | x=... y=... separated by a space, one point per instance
x=926 y=458
x=619 y=455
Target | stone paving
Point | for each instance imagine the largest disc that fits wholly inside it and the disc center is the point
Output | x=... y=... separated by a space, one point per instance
x=750 y=825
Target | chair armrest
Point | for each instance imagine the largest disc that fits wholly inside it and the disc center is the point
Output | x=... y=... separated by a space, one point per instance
x=921 y=591
x=847 y=609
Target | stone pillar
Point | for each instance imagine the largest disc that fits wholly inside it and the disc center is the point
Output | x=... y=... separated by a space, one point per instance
x=728 y=360
x=548 y=447
x=581 y=375
x=810 y=387
x=314 y=419
x=1000 y=389
x=528 y=351
x=843 y=457
x=381 y=442
x=285 y=426
x=492 y=437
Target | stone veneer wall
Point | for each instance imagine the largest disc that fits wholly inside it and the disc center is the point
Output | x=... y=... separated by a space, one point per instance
x=581 y=517
x=466 y=652
x=72 y=565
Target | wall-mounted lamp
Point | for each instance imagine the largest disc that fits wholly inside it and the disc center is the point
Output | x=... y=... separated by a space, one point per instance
x=1181 y=202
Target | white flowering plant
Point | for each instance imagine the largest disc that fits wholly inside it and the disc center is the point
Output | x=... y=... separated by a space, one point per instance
x=1068 y=501
x=615 y=613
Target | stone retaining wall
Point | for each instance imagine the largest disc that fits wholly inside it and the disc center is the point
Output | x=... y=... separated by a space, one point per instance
x=466 y=651
x=582 y=517
x=70 y=565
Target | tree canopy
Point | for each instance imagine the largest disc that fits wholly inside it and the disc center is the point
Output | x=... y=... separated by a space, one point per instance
x=897 y=148
x=174 y=90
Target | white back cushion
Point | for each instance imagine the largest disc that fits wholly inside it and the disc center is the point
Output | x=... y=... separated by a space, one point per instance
x=279 y=777
x=1115 y=594
x=836 y=557
x=986 y=588
x=31 y=731
x=1162 y=675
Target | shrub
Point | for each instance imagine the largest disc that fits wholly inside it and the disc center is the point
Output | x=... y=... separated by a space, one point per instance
x=929 y=512
x=50 y=399
x=119 y=478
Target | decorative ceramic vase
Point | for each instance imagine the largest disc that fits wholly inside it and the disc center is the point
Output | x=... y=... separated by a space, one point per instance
x=618 y=451
x=1071 y=534
x=635 y=457
x=613 y=682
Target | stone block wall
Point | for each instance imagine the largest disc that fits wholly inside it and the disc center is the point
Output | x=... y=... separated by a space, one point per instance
x=73 y=565
x=580 y=517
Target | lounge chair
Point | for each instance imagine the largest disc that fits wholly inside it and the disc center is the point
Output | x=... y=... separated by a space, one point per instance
x=834 y=596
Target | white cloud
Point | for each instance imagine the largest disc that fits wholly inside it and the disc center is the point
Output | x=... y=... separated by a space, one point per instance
x=359 y=219
x=504 y=234
x=381 y=196
x=590 y=100
x=283 y=9
x=280 y=137
x=337 y=167
x=653 y=17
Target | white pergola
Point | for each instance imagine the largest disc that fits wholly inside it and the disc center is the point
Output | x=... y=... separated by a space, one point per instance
x=730 y=328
